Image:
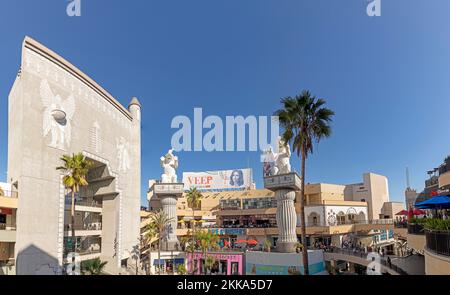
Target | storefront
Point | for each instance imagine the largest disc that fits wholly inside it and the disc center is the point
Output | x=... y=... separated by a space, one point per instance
x=224 y=263
x=167 y=266
x=250 y=221
x=166 y=263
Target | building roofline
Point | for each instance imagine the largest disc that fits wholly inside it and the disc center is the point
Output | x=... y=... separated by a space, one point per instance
x=47 y=53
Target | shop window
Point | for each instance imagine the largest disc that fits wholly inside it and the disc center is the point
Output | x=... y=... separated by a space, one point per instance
x=223 y=267
x=169 y=266
x=234 y=268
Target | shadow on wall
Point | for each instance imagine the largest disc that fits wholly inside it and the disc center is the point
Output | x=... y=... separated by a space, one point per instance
x=34 y=261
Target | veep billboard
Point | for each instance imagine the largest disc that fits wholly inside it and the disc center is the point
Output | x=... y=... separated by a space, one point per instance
x=218 y=180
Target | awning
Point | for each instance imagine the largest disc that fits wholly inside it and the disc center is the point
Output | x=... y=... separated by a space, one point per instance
x=209 y=217
x=439 y=202
x=403 y=212
x=158 y=262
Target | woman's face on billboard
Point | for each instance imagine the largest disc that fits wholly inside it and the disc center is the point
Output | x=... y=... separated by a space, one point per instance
x=235 y=177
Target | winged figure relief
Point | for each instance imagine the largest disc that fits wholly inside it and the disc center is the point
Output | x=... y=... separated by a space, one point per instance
x=122 y=154
x=58 y=114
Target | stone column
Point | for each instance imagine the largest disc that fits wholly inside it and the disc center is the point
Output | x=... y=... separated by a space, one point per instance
x=286 y=220
x=169 y=206
x=168 y=194
x=285 y=186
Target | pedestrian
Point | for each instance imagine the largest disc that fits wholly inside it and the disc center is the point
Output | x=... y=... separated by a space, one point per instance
x=389 y=261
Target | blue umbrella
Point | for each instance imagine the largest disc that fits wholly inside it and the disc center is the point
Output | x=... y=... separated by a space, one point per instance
x=438 y=202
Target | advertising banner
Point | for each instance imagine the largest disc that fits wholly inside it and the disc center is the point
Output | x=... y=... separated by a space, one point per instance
x=237 y=179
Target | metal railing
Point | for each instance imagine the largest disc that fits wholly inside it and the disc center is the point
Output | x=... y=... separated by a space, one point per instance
x=84 y=202
x=4 y=226
x=416 y=229
x=9 y=194
x=401 y=224
x=316 y=224
x=361 y=254
x=88 y=226
x=438 y=242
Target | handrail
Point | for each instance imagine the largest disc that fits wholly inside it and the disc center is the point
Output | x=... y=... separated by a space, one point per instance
x=9 y=194
x=438 y=241
x=361 y=254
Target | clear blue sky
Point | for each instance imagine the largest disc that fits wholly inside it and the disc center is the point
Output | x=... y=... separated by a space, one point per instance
x=387 y=78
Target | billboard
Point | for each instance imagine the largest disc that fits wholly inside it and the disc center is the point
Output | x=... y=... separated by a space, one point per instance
x=237 y=179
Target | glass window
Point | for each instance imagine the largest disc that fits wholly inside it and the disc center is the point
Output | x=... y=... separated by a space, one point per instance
x=234 y=268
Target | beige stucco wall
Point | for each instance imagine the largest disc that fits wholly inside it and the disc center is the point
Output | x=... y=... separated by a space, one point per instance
x=436 y=264
x=416 y=242
x=7 y=202
x=392 y=208
x=444 y=179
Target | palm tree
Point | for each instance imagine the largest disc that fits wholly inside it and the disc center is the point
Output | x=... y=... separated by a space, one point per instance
x=75 y=169
x=209 y=263
x=159 y=221
x=95 y=266
x=147 y=240
x=266 y=245
x=207 y=240
x=193 y=198
x=304 y=120
x=181 y=269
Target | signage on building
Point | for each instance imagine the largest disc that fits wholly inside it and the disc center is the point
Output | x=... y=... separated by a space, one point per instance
x=227 y=231
x=439 y=192
x=237 y=179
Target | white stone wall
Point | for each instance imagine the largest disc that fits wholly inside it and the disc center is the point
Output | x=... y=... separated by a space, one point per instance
x=326 y=213
x=33 y=155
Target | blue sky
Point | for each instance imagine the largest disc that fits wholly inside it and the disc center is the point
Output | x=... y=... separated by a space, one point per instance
x=387 y=78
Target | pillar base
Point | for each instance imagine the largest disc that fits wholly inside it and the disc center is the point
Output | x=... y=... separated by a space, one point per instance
x=286 y=247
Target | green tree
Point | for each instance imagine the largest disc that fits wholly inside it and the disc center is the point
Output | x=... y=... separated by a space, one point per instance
x=207 y=241
x=94 y=267
x=75 y=169
x=159 y=221
x=181 y=269
x=209 y=263
x=305 y=120
x=193 y=197
x=266 y=245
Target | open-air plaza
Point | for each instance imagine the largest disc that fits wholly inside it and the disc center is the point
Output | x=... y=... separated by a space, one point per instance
x=288 y=182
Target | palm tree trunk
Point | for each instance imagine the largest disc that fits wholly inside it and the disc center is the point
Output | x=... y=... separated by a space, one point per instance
x=72 y=225
x=302 y=214
x=193 y=238
x=159 y=255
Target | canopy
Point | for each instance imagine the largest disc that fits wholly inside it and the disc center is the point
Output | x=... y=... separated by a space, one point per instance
x=417 y=211
x=438 y=202
x=403 y=212
x=252 y=242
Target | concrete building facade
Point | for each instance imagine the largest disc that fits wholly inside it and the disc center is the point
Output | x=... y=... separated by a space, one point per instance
x=374 y=190
x=54 y=110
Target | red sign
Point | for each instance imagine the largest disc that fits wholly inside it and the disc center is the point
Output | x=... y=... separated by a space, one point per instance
x=6 y=211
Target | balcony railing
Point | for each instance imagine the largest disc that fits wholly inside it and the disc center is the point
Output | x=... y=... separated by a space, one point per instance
x=4 y=226
x=84 y=202
x=314 y=224
x=9 y=194
x=89 y=226
x=415 y=229
x=438 y=242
